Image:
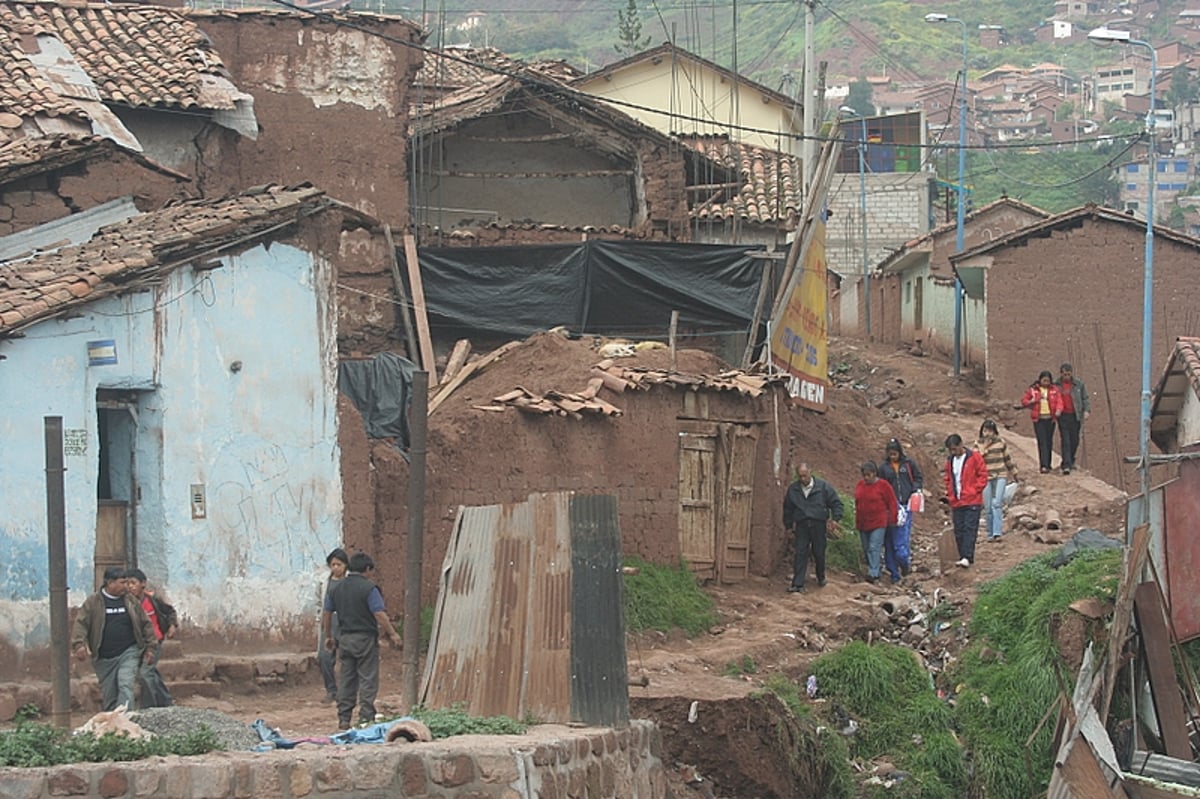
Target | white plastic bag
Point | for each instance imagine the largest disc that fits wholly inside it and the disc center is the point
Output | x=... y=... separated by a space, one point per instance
x=1010 y=491
x=901 y=516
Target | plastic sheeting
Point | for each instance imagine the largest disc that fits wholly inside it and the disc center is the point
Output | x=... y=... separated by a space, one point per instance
x=380 y=387
x=595 y=287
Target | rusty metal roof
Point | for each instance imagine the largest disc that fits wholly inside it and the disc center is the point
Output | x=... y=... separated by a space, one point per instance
x=529 y=619
x=138 y=251
x=771 y=181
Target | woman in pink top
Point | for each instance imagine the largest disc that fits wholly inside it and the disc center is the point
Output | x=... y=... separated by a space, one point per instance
x=874 y=511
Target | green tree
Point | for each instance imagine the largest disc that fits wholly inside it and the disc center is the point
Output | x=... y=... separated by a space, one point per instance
x=629 y=30
x=1065 y=111
x=1183 y=88
x=860 y=98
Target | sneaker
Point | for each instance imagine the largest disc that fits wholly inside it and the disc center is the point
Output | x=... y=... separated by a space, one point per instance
x=796 y=589
x=343 y=725
x=871 y=579
x=1066 y=470
x=964 y=563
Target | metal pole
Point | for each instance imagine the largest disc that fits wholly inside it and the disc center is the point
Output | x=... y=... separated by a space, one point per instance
x=418 y=426
x=808 y=148
x=962 y=201
x=862 y=210
x=1147 y=293
x=56 y=533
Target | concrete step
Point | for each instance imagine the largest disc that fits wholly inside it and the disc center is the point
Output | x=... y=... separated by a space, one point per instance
x=186 y=674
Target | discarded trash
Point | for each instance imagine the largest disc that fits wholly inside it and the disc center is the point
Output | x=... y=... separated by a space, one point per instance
x=693 y=712
x=810 y=686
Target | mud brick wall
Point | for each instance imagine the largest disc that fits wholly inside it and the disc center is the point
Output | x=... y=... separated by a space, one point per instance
x=549 y=762
x=1076 y=295
x=490 y=458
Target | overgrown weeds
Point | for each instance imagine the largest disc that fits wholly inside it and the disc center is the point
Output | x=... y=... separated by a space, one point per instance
x=1008 y=676
x=845 y=550
x=455 y=720
x=35 y=745
x=743 y=665
x=664 y=598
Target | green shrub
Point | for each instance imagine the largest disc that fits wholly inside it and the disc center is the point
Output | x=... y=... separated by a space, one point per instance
x=845 y=550
x=736 y=668
x=788 y=692
x=33 y=744
x=663 y=598
x=448 y=722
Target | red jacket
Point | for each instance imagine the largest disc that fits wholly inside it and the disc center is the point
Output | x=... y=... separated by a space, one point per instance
x=1032 y=400
x=974 y=480
x=874 y=505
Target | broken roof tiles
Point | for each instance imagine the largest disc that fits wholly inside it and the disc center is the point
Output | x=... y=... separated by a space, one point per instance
x=617 y=379
x=142 y=249
x=57 y=57
x=454 y=68
x=770 y=182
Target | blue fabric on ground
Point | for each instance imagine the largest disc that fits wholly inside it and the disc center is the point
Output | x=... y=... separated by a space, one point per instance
x=374 y=734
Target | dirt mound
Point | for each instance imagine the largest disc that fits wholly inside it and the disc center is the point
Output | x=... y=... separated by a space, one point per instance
x=751 y=746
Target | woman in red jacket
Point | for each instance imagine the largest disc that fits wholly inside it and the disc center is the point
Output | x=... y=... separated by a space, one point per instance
x=1045 y=405
x=874 y=511
x=966 y=477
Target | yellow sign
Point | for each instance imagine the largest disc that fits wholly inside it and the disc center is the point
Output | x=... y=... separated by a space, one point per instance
x=800 y=336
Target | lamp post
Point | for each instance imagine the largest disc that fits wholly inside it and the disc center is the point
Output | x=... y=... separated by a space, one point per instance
x=1109 y=35
x=962 y=189
x=862 y=207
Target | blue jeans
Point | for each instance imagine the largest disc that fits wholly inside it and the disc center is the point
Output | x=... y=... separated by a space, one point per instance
x=993 y=506
x=897 y=549
x=872 y=544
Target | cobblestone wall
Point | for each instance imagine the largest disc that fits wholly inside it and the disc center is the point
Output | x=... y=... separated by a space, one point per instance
x=549 y=762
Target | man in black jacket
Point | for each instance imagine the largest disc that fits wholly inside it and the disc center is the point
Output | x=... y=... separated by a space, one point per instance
x=361 y=617
x=811 y=510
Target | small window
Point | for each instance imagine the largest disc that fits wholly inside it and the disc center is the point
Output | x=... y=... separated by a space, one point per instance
x=1130 y=187
x=1181 y=166
x=1132 y=168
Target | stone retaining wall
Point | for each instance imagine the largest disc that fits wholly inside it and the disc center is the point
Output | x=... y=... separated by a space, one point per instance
x=549 y=762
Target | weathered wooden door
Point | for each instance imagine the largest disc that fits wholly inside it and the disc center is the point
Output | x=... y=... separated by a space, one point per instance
x=112 y=521
x=739 y=444
x=918 y=305
x=697 y=496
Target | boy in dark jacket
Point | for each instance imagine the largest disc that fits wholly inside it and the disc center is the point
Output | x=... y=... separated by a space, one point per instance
x=811 y=510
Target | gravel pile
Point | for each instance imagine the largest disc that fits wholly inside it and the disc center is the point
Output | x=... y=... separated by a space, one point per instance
x=177 y=720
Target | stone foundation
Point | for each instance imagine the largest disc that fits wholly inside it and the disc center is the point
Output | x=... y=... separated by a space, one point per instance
x=548 y=762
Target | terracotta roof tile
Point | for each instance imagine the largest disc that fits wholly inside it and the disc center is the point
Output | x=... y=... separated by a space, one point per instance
x=142 y=249
x=455 y=68
x=771 y=181
x=135 y=55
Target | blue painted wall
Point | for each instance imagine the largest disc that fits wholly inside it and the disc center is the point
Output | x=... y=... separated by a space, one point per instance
x=260 y=437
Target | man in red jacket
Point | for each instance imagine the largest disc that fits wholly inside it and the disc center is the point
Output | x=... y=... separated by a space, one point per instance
x=966 y=477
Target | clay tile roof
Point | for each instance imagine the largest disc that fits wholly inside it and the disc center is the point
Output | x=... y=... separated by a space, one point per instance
x=139 y=250
x=456 y=68
x=21 y=157
x=1181 y=377
x=771 y=181
x=134 y=54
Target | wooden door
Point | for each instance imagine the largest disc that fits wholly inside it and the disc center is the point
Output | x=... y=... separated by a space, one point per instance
x=112 y=519
x=918 y=305
x=739 y=445
x=697 y=493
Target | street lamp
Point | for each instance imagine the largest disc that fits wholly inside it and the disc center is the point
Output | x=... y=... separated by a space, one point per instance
x=962 y=189
x=862 y=207
x=1109 y=35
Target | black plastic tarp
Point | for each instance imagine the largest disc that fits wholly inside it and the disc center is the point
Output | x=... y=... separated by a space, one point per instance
x=597 y=287
x=380 y=387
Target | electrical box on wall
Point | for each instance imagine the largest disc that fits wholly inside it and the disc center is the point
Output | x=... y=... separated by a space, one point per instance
x=199 y=506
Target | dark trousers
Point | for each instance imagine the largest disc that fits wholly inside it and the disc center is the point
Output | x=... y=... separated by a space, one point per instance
x=327 y=659
x=1043 y=429
x=1068 y=431
x=358 y=676
x=966 y=530
x=810 y=534
x=154 y=690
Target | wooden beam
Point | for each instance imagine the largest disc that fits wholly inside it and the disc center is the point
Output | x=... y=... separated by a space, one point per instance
x=671 y=333
x=591 y=173
x=458 y=358
x=466 y=372
x=1164 y=688
x=513 y=139
x=418 y=290
x=713 y=186
x=764 y=280
x=410 y=338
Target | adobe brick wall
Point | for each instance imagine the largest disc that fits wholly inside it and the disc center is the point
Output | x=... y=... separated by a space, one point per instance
x=549 y=762
x=1076 y=295
x=331 y=105
x=503 y=457
x=38 y=199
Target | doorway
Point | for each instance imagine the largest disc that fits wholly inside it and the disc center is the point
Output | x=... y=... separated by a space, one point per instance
x=116 y=480
x=716 y=497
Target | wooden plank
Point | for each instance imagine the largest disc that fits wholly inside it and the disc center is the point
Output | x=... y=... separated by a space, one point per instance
x=697 y=502
x=418 y=291
x=467 y=371
x=671 y=333
x=458 y=358
x=764 y=282
x=1156 y=646
x=410 y=338
x=1135 y=561
x=737 y=493
x=1083 y=772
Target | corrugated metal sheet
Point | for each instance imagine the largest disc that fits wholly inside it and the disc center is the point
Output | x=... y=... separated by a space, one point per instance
x=529 y=619
x=1182 y=555
x=599 y=678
